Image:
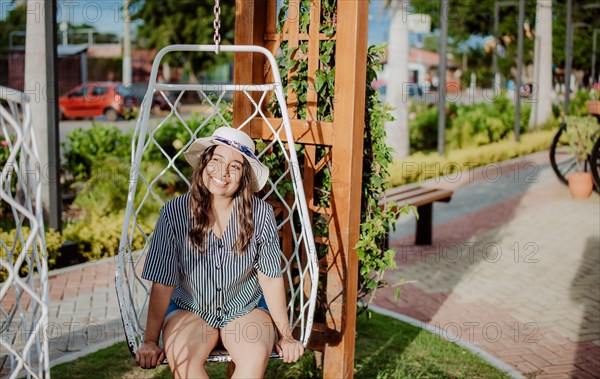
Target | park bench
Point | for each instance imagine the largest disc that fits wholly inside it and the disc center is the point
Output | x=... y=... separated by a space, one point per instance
x=422 y=198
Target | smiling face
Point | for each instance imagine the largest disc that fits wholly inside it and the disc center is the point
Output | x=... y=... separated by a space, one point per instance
x=223 y=173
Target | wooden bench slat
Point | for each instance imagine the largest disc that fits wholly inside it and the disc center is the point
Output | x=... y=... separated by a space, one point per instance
x=422 y=194
x=404 y=190
x=419 y=198
x=423 y=198
x=400 y=196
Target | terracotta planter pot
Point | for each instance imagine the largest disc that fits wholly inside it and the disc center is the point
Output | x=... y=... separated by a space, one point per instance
x=580 y=184
x=593 y=106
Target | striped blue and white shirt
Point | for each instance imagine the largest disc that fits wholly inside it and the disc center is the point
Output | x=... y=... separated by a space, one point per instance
x=218 y=284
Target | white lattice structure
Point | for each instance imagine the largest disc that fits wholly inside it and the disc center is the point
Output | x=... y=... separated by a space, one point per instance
x=23 y=261
x=284 y=189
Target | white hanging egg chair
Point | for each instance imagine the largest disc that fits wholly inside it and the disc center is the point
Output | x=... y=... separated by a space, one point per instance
x=147 y=189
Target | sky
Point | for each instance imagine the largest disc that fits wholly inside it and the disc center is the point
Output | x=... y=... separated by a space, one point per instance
x=107 y=16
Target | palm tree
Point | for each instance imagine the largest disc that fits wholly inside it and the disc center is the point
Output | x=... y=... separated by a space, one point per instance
x=541 y=109
x=40 y=85
x=35 y=80
x=398 y=48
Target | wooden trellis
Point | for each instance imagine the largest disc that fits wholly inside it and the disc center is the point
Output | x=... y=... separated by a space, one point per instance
x=256 y=24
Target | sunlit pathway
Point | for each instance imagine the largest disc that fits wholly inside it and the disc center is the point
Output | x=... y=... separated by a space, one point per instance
x=515 y=270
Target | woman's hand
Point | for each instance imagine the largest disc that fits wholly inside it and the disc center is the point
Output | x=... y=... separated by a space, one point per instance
x=149 y=355
x=289 y=349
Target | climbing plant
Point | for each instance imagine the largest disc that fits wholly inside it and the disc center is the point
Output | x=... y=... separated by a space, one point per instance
x=376 y=221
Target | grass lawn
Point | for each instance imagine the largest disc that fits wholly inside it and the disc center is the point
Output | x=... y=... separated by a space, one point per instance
x=385 y=348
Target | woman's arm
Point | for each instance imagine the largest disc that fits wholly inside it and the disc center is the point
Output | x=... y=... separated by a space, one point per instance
x=274 y=290
x=149 y=355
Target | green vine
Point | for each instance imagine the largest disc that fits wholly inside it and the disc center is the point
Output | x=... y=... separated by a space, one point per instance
x=375 y=221
x=374 y=259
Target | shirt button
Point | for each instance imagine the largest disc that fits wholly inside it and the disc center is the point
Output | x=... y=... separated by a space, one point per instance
x=218 y=289
x=218 y=309
x=219 y=318
x=217 y=266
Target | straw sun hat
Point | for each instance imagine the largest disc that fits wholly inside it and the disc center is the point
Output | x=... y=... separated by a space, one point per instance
x=236 y=140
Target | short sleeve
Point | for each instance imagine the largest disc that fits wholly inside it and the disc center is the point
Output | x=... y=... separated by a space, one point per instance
x=162 y=261
x=268 y=260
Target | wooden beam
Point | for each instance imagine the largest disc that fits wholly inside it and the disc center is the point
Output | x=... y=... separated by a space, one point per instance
x=349 y=113
x=250 y=20
x=309 y=132
x=293 y=30
x=313 y=60
x=301 y=37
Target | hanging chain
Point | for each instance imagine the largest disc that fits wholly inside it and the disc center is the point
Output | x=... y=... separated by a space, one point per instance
x=217 y=26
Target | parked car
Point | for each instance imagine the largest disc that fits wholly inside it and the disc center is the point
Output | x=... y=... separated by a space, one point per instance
x=92 y=99
x=159 y=103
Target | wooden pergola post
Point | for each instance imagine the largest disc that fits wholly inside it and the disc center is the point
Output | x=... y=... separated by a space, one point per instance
x=256 y=24
x=348 y=130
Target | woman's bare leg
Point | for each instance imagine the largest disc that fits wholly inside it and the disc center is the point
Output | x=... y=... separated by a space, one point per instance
x=188 y=340
x=249 y=340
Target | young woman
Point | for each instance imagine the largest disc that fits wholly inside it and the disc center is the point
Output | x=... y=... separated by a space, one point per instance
x=215 y=264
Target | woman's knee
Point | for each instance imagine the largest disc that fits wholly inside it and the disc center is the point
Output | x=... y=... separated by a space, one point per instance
x=251 y=361
x=185 y=335
x=250 y=339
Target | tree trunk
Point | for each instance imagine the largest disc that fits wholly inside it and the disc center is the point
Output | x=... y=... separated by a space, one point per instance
x=397 y=80
x=126 y=45
x=541 y=109
x=35 y=86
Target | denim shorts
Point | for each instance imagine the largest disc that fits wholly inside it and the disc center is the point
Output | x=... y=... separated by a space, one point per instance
x=262 y=304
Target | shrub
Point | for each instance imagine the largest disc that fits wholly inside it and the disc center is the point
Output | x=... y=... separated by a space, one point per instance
x=101 y=204
x=419 y=166
x=98 y=236
x=577 y=105
x=83 y=147
x=100 y=161
x=10 y=242
x=466 y=125
x=423 y=127
x=484 y=123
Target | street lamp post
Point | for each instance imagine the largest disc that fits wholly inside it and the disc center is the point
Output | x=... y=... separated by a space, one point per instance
x=517 y=125
x=569 y=55
x=594 y=79
x=521 y=3
x=442 y=75
x=497 y=7
x=596 y=32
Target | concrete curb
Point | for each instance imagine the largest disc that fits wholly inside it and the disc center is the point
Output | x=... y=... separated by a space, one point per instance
x=451 y=338
x=65 y=270
x=83 y=352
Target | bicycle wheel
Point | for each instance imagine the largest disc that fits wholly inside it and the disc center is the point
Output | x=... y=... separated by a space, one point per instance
x=595 y=164
x=562 y=161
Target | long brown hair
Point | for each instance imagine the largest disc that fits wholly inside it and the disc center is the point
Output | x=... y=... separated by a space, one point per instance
x=200 y=204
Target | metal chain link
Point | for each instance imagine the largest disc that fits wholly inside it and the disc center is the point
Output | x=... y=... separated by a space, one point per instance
x=217 y=25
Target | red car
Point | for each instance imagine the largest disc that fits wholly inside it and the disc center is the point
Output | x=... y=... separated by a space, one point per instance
x=92 y=99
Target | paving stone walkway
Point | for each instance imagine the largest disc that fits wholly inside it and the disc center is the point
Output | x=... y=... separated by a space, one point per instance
x=514 y=269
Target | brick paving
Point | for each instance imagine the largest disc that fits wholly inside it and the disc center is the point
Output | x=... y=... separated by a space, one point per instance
x=83 y=308
x=518 y=278
x=514 y=270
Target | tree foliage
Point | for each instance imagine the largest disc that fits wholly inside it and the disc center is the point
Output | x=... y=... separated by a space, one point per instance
x=16 y=20
x=168 y=22
x=585 y=20
x=467 y=18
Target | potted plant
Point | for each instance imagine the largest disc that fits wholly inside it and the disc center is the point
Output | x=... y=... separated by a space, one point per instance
x=593 y=105
x=581 y=133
